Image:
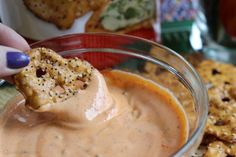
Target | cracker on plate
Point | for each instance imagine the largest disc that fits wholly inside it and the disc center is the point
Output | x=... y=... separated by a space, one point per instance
x=94 y=23
x=62 y=13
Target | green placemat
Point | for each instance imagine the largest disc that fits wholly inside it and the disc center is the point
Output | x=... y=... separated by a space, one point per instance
x=7 y=91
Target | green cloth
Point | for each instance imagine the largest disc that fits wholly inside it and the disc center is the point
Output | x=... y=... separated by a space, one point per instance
x=175 y=35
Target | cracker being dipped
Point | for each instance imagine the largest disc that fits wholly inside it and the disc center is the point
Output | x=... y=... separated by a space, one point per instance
x=50 y=78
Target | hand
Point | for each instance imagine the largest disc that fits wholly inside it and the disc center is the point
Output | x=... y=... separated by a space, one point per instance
x=12 y=59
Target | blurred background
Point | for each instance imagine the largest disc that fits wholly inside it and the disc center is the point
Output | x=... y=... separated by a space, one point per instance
x=186 y=26
x=195 y=29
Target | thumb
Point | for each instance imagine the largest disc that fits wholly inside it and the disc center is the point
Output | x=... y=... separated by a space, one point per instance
x=12 y=61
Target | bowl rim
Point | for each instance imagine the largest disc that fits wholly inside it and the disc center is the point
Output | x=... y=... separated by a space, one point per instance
x=202 y=120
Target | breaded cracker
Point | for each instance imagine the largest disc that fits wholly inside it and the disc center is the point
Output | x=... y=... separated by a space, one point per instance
x=83 y=6
x=49 y=78
x=94 y=23
x=62 y=13
x=96 y=4
x=220 y=149
x=221 y=123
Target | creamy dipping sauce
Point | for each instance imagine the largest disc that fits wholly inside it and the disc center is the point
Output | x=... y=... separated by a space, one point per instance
x=124 y=116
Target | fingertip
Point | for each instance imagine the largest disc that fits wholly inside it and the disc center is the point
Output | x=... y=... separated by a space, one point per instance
x=12 y=61
x=8 y=37
x=16 y=60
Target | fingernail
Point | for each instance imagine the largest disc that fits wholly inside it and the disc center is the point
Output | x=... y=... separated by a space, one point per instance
x=17 y=60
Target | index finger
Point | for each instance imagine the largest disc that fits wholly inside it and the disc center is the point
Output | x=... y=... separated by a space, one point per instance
x=10 y=38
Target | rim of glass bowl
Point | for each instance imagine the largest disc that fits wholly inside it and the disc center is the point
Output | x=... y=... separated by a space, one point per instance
x=203 y=102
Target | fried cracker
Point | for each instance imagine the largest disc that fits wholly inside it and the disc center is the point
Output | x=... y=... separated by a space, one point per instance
x=49 y=78
x=96 y=4
x=221 y=121
x=222 y=109
x=60 y=12
x=220 y=149
x=94 y=23
x=216 y=149
x=83 y=6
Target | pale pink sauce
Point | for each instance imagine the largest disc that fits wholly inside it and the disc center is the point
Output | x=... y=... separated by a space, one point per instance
x=127 y=116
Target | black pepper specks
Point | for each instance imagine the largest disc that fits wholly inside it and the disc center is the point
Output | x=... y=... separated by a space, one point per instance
x=54 y=78
x=226 y=99
x=215 y=72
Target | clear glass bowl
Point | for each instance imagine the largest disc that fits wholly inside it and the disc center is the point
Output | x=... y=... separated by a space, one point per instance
x=148 y=59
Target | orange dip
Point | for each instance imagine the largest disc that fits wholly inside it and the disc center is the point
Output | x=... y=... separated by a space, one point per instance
x=124 y=116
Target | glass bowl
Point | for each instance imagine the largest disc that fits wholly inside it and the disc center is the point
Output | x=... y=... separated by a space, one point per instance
x=148 y=59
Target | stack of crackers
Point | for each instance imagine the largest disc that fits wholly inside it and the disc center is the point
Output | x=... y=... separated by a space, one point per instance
x=220 y=79
x=220 y=131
